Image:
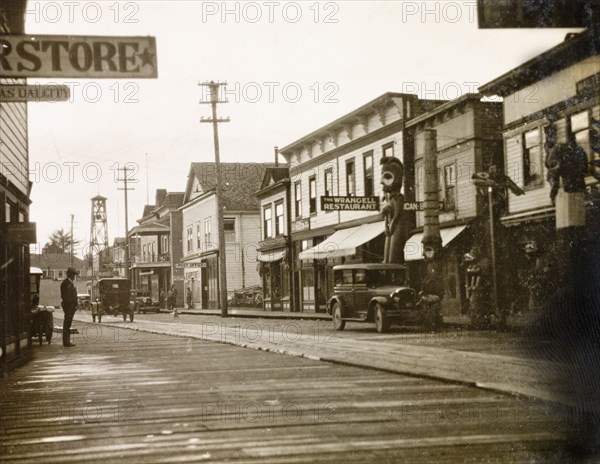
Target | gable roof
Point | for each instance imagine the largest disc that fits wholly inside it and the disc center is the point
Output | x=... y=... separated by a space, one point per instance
x=49 y=260
x=240 y=182
x=575 y=47
x=273 y=178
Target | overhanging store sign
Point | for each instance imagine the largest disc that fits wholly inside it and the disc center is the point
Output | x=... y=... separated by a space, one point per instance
x=350 y=203
x=34 y=93
x=57 y=56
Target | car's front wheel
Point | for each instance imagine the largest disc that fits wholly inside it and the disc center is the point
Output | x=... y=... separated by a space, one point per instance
x=382 y=323
x=336 y=315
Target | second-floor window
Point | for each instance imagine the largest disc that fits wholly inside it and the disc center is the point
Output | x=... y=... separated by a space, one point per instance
x=268 y=221
x=532 y=158
x=450 y=187
x=279 y=224
x=368 y=169
x=198 y=236
x=329 y=182
x=229 y=228
x=350 y=179
x=312 y=194
x=207 y=230
x=297 y=199
x=189 y=238
x=586 y=138
x=388 y=149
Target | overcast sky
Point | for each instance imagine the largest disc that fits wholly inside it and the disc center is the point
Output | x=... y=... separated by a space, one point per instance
x=291 y=67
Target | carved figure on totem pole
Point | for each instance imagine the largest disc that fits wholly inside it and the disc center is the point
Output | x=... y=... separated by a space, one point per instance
x=566 y=161
x=392 y=173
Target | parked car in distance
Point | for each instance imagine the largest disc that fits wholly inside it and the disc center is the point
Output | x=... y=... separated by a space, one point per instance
x=142 y=301
x=84 y=300
x=111 y=296
x=372 y=292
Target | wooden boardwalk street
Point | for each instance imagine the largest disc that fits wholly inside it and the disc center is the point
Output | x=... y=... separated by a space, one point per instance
x=127 y=396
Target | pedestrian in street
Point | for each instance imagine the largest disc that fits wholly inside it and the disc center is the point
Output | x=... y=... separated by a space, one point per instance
x=189 y=298
x=172 y=301
x=161 y=299
x=68 y=295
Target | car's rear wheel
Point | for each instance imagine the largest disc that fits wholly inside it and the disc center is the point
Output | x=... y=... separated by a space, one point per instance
x=336 y=316
x=382 y=323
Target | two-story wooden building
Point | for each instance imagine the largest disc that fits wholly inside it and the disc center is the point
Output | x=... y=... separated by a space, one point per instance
x=342 y=159
x=155 y=247
x=468 y=140
x=559 y=88
x=200 y=238
x=274 y=247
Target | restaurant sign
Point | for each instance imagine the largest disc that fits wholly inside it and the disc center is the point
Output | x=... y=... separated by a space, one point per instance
x=69 y=56
x=350 y=203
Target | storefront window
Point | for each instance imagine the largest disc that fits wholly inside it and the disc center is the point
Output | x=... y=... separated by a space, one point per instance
x=308 y=284
x=267 y=281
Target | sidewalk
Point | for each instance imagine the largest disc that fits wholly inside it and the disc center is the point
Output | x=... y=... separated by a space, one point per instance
x=466 y=361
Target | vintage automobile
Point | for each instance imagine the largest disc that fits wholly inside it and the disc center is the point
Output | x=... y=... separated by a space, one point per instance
x=84 y=300
x=42 y=319
x=111 y=296
x=142 y=302
x=372 y=292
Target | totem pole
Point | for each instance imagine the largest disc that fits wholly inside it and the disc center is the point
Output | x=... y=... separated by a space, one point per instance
x=392 y=172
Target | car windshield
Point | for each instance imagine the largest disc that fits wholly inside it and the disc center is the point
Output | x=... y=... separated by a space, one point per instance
x=378 y=277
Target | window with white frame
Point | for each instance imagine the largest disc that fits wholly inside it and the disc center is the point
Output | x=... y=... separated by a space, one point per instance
x=279 y=223
x=229 y=228
x=532 y=158
x=207 y=231
x=190 y=243
x=267 y=222
x=388 y=149
x=198 y=236
x=312 y=195
x=450 y=187
x=587 y=138
x=297 y=199
x=368 y=174
x=329 y=182
x=350 y=179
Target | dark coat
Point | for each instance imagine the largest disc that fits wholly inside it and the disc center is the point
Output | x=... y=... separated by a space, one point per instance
x=68 y=294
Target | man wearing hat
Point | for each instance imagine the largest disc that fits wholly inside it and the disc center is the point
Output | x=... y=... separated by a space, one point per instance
x=68 y=294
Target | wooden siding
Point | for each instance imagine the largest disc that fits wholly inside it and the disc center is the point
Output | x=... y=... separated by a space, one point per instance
x=534 y=198
x=556 y=88
x=247 y=236
x=449 y=132
x=339 y=137
x=14 y=162
x=271 y=200
x=338 y=167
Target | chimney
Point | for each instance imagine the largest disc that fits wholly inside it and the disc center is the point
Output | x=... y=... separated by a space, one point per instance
x=276 y=156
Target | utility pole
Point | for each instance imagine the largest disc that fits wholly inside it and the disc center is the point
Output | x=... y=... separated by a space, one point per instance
x=214 y=99
x=125 y=188
x=71 y=256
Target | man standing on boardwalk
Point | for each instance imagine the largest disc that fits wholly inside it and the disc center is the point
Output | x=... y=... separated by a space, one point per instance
x=68 y=294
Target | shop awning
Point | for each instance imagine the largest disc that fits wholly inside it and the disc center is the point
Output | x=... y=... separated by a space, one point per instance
x=270 y=256
x=413 y=249
x=344 y=242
